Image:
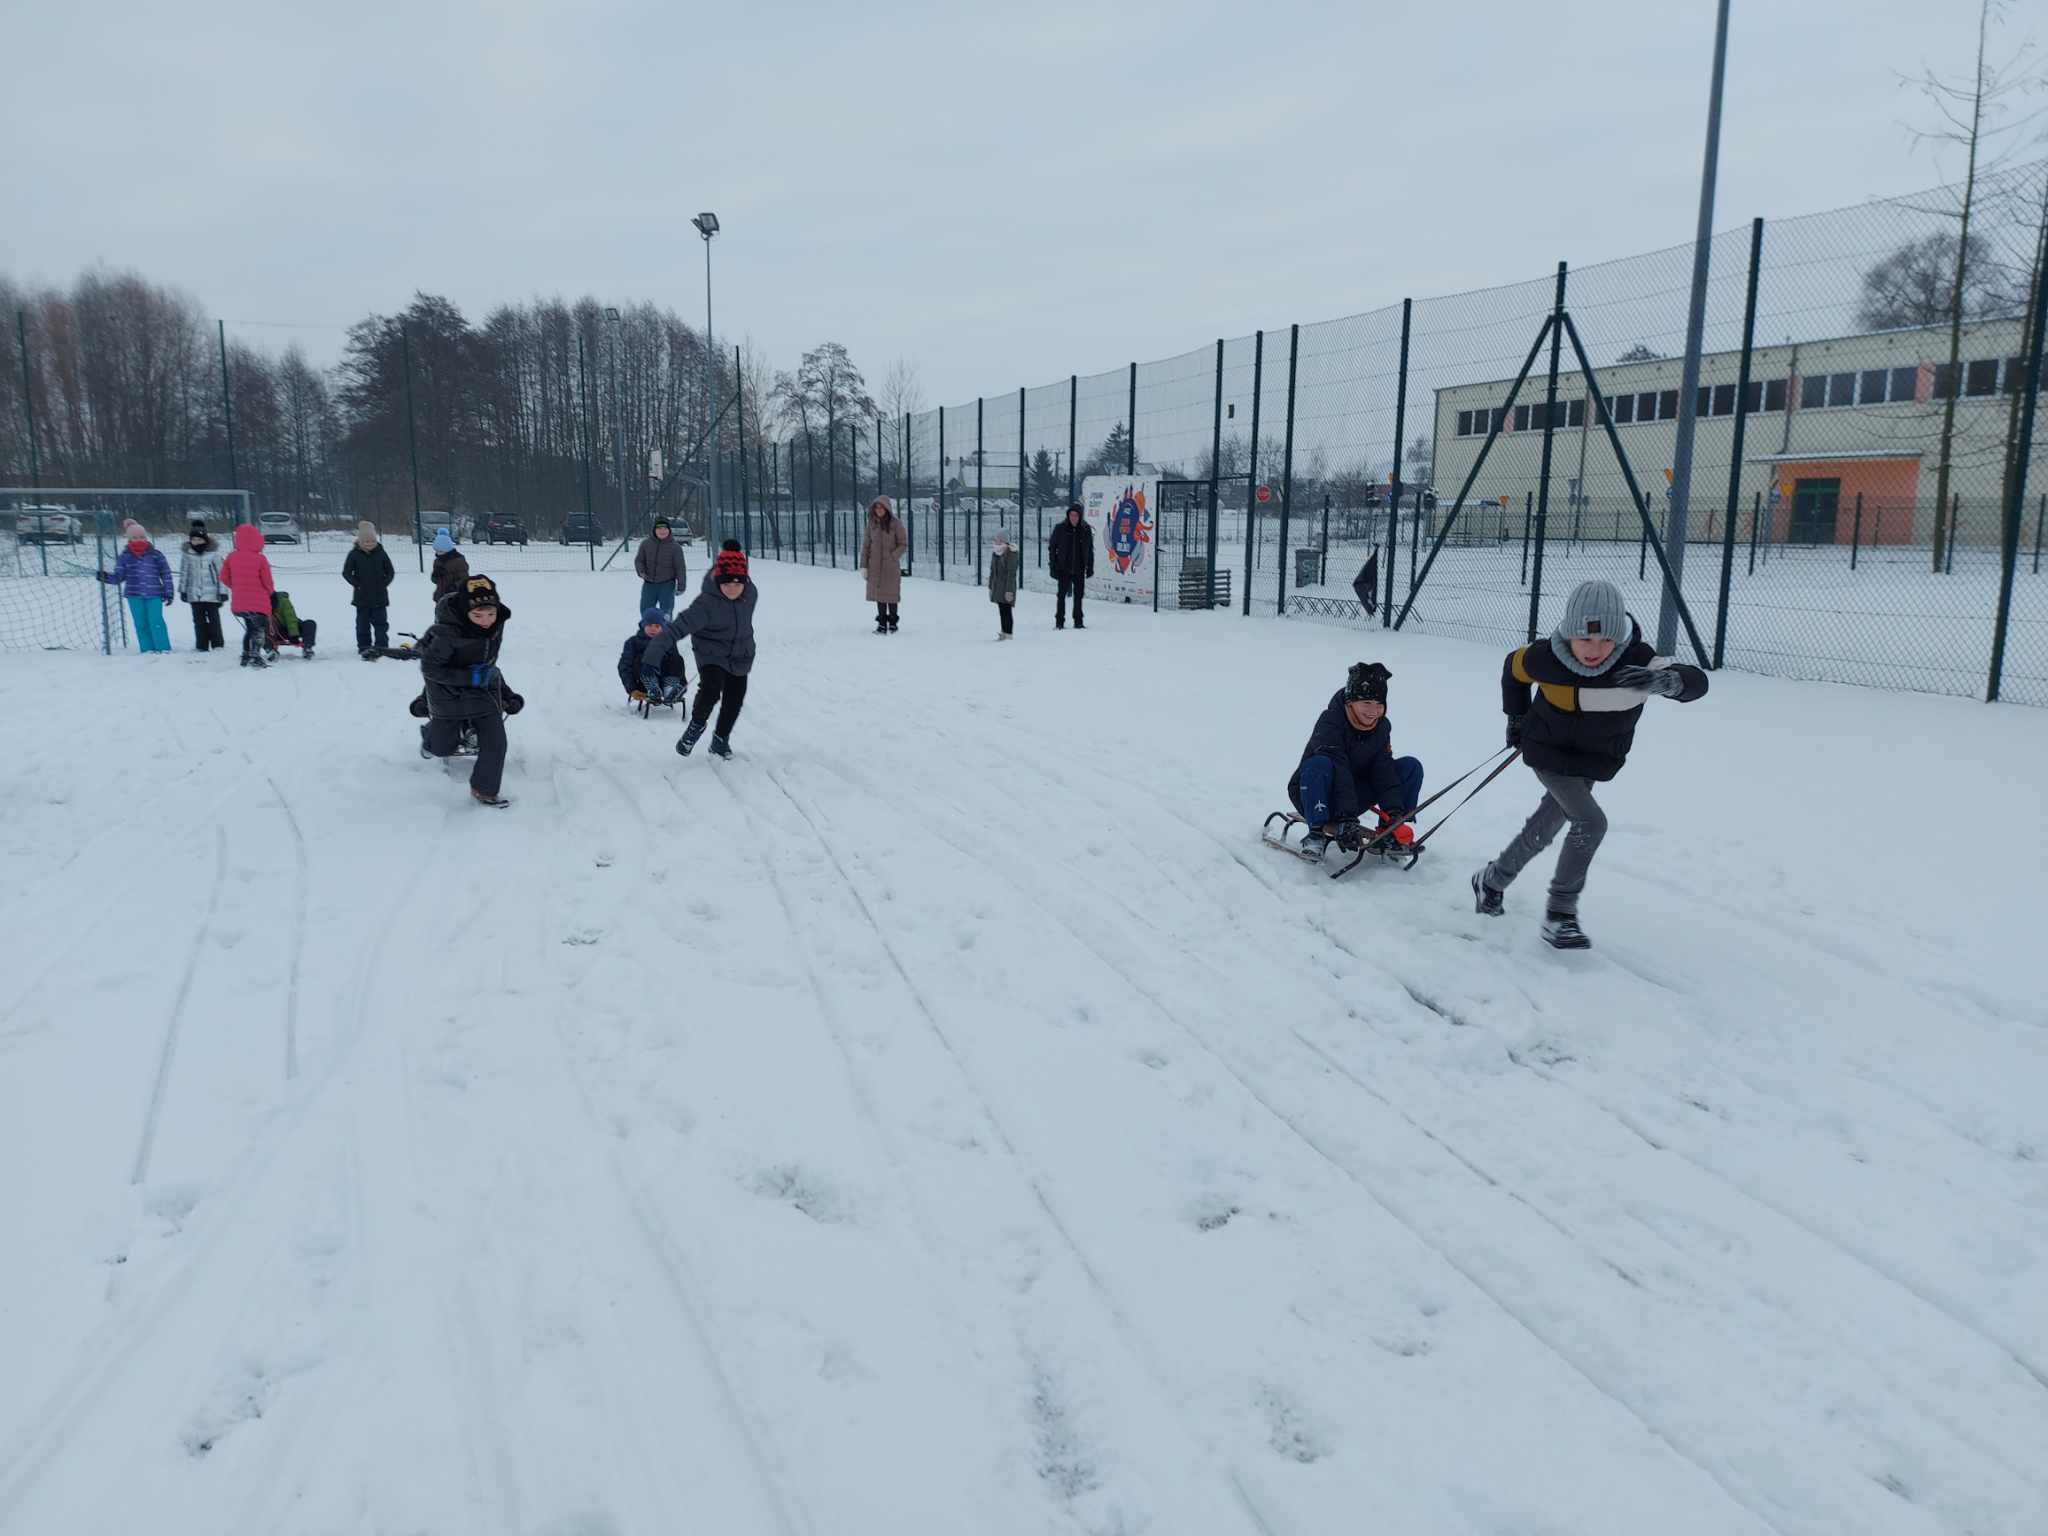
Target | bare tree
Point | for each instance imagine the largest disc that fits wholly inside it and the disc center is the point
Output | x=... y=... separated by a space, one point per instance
x=1640 y=353
x=1915 y=284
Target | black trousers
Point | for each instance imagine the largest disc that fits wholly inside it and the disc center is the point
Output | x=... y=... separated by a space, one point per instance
x=444 y=736
x=1008 y=611
x=255 y=633
x=1077 y=585
x=373 y=627
x=726 y=691
x=885 y=615
x=206 y=635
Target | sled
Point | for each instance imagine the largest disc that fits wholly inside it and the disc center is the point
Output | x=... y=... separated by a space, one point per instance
x=1379 y=846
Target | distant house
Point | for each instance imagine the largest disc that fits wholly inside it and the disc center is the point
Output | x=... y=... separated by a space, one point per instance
x=1829 y=421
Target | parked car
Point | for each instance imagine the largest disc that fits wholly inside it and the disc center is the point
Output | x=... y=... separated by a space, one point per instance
x=499 y=528
x=279 y=528
x=47 y=525
x=580 y=528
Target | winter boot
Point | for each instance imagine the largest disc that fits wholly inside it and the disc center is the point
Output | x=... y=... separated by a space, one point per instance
x=720 y=747
x=1485 y=899
x=1314 y=845
x=1561 y=930
x=424 y=752
x=495 y=802
x=691 y=732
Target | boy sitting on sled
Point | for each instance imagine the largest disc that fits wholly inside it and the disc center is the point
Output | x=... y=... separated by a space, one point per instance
x=669 y=682
x=1349 y=767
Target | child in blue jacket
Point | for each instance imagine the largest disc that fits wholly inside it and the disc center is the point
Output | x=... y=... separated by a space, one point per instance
x=144 y=577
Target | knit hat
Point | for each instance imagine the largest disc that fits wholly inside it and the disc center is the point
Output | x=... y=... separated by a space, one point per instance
x=366 y=534
x=653 y=616
x=1366 y=681
x=1594 y=611
x=731 y=564
x=732 y=544
x=134 y=532
x=479 y=592
x=442 y=542
x=662 y=522
x=1075 y=506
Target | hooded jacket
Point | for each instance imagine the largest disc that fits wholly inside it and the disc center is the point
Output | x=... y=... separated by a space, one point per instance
x=660 y=560
x=1071 y=550
x=1005 y=566
x=720 y=631
x=448 y=572
x=1365 y=773
x=881 y=552
x=145 y=575
x=199 y=573
x=1580 y=724
x=459 y=662
x=370 y=572
x=246 y=572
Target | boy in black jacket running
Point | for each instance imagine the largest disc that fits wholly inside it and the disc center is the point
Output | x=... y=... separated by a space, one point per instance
x=1591 y=681
x=458 y=657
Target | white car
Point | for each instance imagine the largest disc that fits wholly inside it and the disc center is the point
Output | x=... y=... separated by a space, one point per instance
x=47 y=525
x=279 y=528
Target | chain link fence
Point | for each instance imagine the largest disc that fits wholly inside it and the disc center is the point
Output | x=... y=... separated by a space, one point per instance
x=1865 y=490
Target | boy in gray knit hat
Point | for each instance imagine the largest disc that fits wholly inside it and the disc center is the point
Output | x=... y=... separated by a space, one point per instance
x=1591 y=681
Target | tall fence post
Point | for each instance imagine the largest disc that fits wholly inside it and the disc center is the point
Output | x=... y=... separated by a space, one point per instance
x=1215 y=468
x=227 y=405
x=1251 y=491
x=583 y=422
x=1856 y=533
x=909 y=526
x=2040 y=515
x=832 y=491
x=942 y=493
x=1287 y=472
x=412 y=440
x=35 y=467
x=1955 y=516
x=99 y=544
x=1549 y=441
x=2009 y=545
x=1756 y=251
x=1528 y=516
x=1325 y=557
x=1020 y=477
x=1394 y=504
x=1131 y=436
x=1642 y=545
x=980 y=499
x=1756 y=516
x=739 y=416
x=810 y=485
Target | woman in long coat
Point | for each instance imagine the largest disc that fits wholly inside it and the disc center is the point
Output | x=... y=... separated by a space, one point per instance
x=881 y=557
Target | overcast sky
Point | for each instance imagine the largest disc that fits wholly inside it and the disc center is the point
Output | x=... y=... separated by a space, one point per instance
x=1003 y=195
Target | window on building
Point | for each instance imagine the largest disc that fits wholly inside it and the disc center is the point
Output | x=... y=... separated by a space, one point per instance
x=1813 y=391
x=1981 y=378
x=1724 y=399
x=1754 y=401
x=2015 y=374
x=1575 y=413
x=1499 y=416
x=1774 y=395
x=1905 y=384
x=1872 y=389
x=1667 y=405
x=1464 y=423
x=1944 y=382
x=1521 y=418
x=1624 y=407
x=1841 y=389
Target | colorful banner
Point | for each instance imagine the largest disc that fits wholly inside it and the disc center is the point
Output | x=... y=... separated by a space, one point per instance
x=1119 y=507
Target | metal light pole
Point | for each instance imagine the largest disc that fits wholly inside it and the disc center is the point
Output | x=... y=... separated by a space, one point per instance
x=618 y=431
x=1689 y=375
x=707 y=226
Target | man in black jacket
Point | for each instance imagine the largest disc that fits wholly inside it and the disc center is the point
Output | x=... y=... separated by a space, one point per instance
x=1591 y=681
x=458 y=657
x=1349 y=767
x=1072 y=557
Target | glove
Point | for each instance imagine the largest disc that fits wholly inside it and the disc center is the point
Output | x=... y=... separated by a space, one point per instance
x=1665 y=681
x=513 y=702
x=1514 y=730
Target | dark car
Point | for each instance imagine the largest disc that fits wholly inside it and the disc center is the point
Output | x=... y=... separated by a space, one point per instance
x=580 y=528
x=499 y=529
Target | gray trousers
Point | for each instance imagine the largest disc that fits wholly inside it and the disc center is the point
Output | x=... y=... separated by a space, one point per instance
x=1565 y=800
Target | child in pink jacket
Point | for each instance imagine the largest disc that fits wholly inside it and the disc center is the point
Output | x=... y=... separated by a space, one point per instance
x=246 y=575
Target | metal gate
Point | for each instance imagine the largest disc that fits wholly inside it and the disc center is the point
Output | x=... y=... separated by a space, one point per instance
x=1190 y=536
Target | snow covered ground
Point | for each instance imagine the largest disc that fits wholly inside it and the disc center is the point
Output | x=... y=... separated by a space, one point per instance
x=949 y=1118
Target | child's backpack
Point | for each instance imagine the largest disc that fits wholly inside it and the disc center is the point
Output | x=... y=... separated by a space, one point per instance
x=286 y=616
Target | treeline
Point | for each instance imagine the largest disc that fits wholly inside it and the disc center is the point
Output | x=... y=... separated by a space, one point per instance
x=125 y=379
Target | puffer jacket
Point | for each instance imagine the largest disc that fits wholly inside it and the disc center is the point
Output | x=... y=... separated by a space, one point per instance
x=1070 y=553
x=660 y=560
x=720 y=630
x=199 y=574
x=459 y=662
x=370 y=573
x=1365 y=774
x=145 y=575
x=448 y=572
x=1577 y=725
x=246 y=572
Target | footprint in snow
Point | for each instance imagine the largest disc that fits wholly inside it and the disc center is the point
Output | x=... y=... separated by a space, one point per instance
x=801 y=1188
x=1211 y=1213
x=583 y=936
x=1288 y=1430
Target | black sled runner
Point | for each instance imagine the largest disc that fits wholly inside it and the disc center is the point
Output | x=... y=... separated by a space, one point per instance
x=1354 y=840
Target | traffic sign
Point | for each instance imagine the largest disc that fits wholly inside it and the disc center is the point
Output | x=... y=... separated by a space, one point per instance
x=1265 y=493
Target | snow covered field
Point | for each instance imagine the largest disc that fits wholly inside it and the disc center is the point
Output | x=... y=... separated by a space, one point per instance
x=949 y=1118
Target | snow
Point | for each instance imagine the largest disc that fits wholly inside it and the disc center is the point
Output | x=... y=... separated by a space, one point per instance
x=948 y=1117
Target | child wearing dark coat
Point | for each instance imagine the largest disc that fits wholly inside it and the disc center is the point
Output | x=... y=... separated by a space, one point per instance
x=1591 y=680
x=458 y=657
x=1349 y=767
x=720 y=629
x=669 y=681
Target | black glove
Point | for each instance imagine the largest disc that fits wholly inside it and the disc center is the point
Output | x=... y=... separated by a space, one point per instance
x=1658 y=680
x=418 y=707
x=1514 y=730
x=513 y=702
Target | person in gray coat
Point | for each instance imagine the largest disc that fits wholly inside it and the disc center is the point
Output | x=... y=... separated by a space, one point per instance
x=719 y=624
x=1004 y=569
x=659 y=565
